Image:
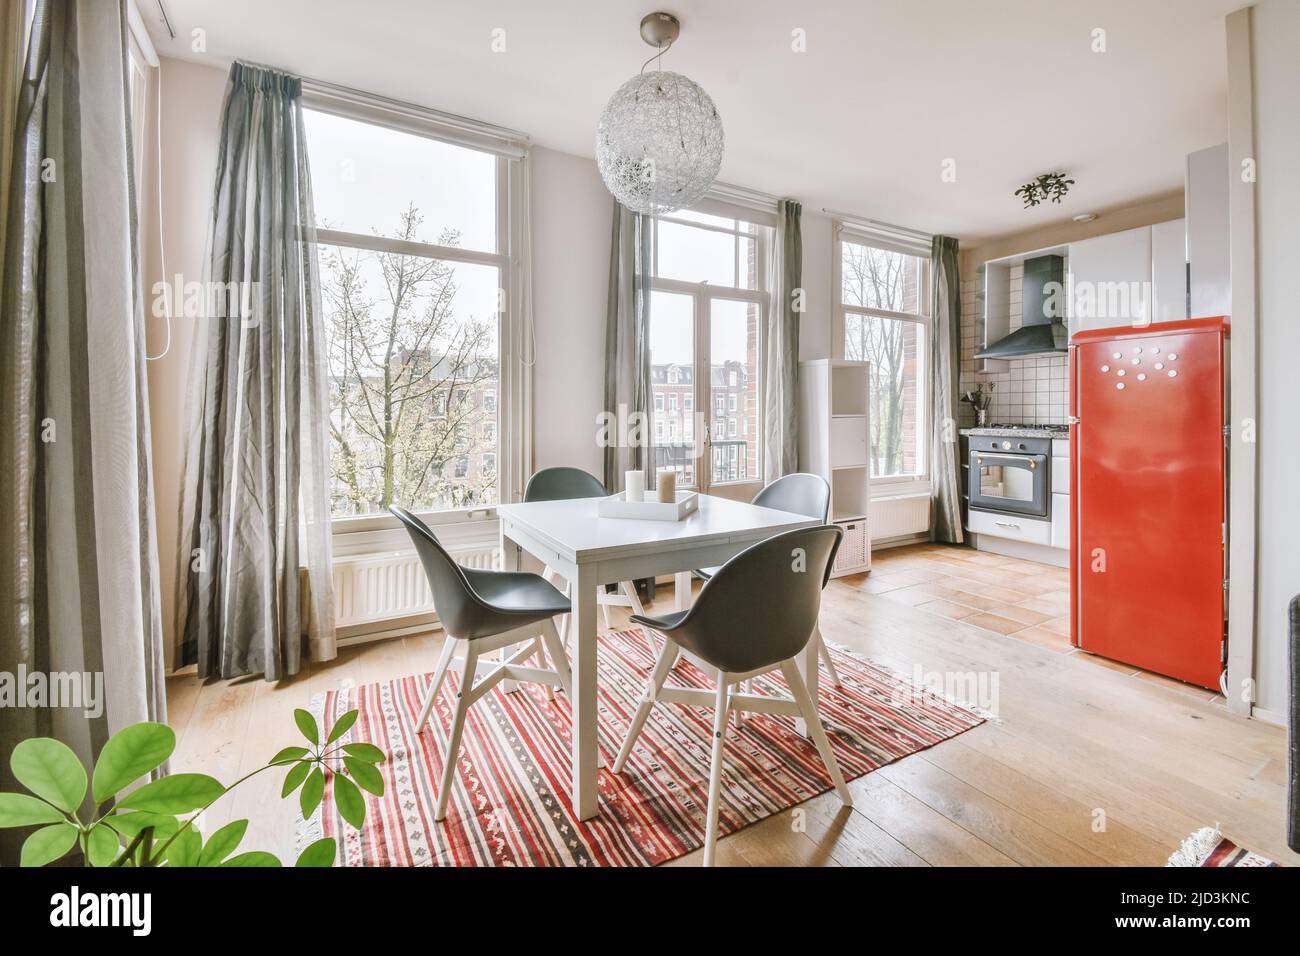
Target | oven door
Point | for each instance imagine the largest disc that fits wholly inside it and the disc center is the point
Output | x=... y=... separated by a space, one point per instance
x=1009 y=483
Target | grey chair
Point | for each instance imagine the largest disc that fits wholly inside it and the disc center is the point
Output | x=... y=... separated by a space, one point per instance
x=485 y=611
x=561 y=484
x=754 y=615
x=800 y=494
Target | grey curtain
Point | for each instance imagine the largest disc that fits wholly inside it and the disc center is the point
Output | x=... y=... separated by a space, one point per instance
x=945 y=485
x=79 y=564
x=781 y=366
x=255 y=506
x=627 y=348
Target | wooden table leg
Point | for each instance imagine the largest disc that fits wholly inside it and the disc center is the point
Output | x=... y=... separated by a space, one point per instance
x=809 y=668
x=585 y=737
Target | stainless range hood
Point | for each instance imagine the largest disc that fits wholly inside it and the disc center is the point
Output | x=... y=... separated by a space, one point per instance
x=1042 y=329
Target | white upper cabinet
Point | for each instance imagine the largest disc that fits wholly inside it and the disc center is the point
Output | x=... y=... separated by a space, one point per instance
x=1169 y=270
x=1208 y=172
x=1110 y=280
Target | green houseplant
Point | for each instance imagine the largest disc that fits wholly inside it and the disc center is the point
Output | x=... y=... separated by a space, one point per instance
x=154 y=824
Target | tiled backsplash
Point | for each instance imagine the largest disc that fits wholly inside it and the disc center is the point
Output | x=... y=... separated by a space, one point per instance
x=1031 y=390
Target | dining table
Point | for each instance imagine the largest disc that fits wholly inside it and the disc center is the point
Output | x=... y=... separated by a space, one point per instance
x=590 y=551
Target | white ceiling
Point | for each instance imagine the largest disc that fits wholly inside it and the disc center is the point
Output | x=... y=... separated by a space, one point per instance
x=860 y=122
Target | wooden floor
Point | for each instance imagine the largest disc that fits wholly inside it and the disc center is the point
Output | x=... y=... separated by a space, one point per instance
x=1088 y=763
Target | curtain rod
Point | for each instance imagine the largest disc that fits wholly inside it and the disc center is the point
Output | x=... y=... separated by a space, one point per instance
x=876 y=224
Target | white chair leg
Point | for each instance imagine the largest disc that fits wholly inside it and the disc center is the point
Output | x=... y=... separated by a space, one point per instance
x=667 y=658
x=715 y=773
x=604 y=608
x=824 y=653
x=634 y=600
x=457 y=729
x=799 y=691
x=439 y=673
x=559 y=662
x=542 y=651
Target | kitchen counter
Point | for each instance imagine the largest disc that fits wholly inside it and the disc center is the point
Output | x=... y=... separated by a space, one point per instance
x=1017 y=433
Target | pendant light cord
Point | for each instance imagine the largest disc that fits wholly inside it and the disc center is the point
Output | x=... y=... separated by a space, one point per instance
x=658 y=55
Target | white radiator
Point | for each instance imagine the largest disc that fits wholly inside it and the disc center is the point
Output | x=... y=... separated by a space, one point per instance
x=392 y=584
x=898 y=516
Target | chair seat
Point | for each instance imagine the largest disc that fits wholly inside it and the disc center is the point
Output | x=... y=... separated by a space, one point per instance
x=515 y=598
x=663 y=623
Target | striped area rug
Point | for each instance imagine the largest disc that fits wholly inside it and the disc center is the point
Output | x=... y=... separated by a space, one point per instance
x=510 y=805
x=1209 y=848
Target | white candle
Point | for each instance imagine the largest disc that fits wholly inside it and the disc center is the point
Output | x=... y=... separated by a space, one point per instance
x=667 y=486
x=634 y=485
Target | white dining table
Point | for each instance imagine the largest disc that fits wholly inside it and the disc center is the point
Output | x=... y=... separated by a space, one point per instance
x=590 y=551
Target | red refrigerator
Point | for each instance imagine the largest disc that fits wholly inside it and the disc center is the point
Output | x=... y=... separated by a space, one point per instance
x=1147 y=496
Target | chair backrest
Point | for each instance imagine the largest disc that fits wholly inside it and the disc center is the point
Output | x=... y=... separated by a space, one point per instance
x=800 y=494
x=761 y=606
x=458 y=607
x=562 y=483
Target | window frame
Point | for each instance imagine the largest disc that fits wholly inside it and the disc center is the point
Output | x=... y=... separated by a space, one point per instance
x=888 y=485
x=512 y=396
x=703 y=294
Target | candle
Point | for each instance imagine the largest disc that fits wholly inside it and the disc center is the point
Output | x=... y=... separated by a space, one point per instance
x=634 y=483
x=667 y=486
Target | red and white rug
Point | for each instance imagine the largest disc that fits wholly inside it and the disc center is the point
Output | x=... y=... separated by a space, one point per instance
x=1208 y=847
x=510 y=805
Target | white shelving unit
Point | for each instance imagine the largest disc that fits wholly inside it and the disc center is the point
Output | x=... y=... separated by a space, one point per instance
x=835 y=442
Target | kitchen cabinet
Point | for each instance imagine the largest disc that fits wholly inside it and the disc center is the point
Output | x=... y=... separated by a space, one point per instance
x=1110 y=278
x=1209 y=268
x=1169 y=270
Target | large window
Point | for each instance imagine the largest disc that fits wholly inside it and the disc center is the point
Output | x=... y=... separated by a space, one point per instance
x=706 y=318
x=883 y=302
x=412 y=258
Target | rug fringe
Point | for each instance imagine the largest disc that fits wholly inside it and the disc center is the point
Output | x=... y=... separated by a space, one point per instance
x=1197 y=848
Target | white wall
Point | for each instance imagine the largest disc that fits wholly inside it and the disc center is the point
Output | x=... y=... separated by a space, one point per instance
x=815 y=323
x=1276 y=39
x=191 y=108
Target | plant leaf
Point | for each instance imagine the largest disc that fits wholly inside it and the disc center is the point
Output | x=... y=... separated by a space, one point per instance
x=365 y=775
x=342 y=726
x=102 y=845
x=48 y=844
x=352 y=806
x=294 y=778
x=20 y=810
x=288 y=755
x=130 y=824
x=320 y=853
x=367 y=752
x=50 y=770
x=312 y=793
x=130 y=754
x=307 y=724
x=255 y=858
x=223 y=843
x=179 y=793
x=185 y=849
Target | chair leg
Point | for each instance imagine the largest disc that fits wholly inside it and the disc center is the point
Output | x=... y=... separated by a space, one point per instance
x=542 y=650
x=457 y=730
x=634 y=600
x=555 y=647
x=439 y=674
x=799 y=691
x=824 y=653
x=604 y=608
x=667 y=658
x=715 y=773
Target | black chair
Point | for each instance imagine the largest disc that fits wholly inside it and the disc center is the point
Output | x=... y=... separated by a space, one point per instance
x=485 y=611
x=561 y=484
x=754 y=615
x=800 y=494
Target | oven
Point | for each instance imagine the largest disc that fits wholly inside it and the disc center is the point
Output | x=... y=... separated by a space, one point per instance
x=1010 y=475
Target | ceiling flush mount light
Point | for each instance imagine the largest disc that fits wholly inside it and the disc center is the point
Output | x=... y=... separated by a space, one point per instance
x=1085 y=217
x=1051 y=186
x=659 y=141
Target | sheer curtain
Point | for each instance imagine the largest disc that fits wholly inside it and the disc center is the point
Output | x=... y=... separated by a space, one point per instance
x=256 y=505
x=781 y=367
x=627 y=348
x=945 y=486
x=79 y=568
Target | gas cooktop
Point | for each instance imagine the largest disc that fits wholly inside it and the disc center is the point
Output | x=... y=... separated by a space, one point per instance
x=1029 y=426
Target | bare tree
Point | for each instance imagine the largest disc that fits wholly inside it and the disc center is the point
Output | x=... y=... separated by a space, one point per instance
x=881 y=280
x=409 y=379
